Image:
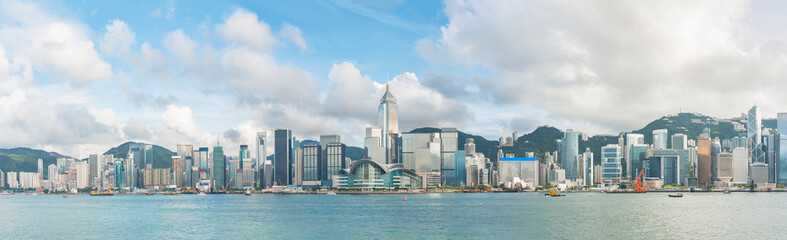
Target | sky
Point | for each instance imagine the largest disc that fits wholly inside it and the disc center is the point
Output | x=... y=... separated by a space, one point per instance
x=80 y=77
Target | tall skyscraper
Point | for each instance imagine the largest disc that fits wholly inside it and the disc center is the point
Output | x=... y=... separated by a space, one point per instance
x=52 y=172
x=282 y=168
x=148 y=151
x=631 y=139
x=244 y=157
x=587 y=167
x=754 y=130
x=704 y=162
x=219 y=166
x=312 y=164
x=373 y=145
x=610 y=163
x=781 y=153
x=203 y=163
x=185 y=150
x=40 y=169
x=660 y=139
x=679 y=141
x=177 y=171
x=262 y=156
x=94 y=169
x=570 y=153
x=388 y=113
x=449 y=138
x=333 y=155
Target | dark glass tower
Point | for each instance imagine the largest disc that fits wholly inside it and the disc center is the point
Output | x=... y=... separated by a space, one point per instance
x=282 y=169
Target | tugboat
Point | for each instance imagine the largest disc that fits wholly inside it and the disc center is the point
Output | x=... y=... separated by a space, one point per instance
x=676 y=195
x=248 y=192
x=553 y=193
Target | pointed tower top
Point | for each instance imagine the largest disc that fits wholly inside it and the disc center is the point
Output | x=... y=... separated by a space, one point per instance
x=387 y=96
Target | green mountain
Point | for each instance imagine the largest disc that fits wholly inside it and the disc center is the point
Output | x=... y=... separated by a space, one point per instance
x=690 y=124
x=162 y=157
x=26 y=159
x=354 y=153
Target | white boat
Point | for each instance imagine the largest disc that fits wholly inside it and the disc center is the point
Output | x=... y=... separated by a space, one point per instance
x=201 y=193
x=331 y=193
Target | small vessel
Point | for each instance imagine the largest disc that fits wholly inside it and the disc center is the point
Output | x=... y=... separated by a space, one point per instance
x=171 y=193
x=149 y=193
x=248 y=193
x=102 y=193
x=331 y=193
x=726 y=191
x=201 y=193
x=69 y=196
x=405 y=198
x=553 y=193
x=676 y=195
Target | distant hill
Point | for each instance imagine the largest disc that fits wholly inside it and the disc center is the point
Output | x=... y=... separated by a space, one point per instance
x=26 y=159
x=690 y=124
x=354 y=153
x=162 y=157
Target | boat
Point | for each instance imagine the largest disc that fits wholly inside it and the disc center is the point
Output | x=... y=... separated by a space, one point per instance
x=171 y=193
x=149 y=193
x=553 y=193
x=676 y=195
x=726 y=191
x=201 y=193
x=69 y=196
x=248 y=193
x=405 y=198
x=102 y=193
x=331 y=193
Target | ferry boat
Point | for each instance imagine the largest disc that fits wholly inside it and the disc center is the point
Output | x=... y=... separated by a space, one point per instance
x=676 y=195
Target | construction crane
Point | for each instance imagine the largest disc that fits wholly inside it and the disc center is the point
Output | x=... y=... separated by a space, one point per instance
x=639 y=187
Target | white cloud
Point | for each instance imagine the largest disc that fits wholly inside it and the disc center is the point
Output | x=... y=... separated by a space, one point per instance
x=181 y=45
x=615 y=65
x=167 y=10
x=118 y=39
x=242 y=27
x=293 y=33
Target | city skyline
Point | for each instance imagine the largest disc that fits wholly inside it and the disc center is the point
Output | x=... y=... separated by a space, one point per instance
x=170 y=72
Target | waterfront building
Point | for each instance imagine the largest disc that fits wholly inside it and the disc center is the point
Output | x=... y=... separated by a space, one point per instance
x=184 y=151
x=130 y=169
x=312 y=164
x=704 y=161
x=610 y=161
x=570 y=153
x=587 y=167
x=203 y=163
x=469 y=146
x=297 y=170
x=754 y=134
x=759 y=172
x=740 y=165
x=598 y=171
x=244 y=157
x=449 y=141
x=262 y=155
x=518 y=172
x=373 y=145
x=119 y=174
x=232 y=172
x=29 y=180
x=82 y=174
x=724 y=171
x=2 y=178
x=460 y=173
x=367 y=175
x=283 y=157
x=421 y=152
x=660 y=139
x=631 y=139
x=158 y=178
x=177 y=170
x=52 y=172
x=781 y=154
x=334 y=155
x=12 y=180
x=636 y=156
x=388 y=113
x=219 y=168
x=679 y=141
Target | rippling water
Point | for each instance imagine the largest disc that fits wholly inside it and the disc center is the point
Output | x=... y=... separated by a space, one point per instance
x=456 y=216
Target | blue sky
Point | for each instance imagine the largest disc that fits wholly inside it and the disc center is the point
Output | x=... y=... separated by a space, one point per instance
x=80 y=77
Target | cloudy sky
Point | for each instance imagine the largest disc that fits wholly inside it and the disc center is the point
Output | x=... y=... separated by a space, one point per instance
x=79 y=77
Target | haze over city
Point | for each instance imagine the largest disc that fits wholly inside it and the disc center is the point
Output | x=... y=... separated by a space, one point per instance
x=81 y=77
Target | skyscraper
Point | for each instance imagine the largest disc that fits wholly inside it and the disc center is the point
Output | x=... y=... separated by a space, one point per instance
x=388 y=113
x=219 y=166
x=679 y=141
x=781 y=154
x=282 y=168
x=262 y=155
x=373 y=146
x=94 y=169
x=704 y=161
x=610 y=163
x=148 y=149
x=312 y=164
x=660 y=139
x=449 y=138
x=335 y=154
x=244 y=157
x=587 y=167
x=754 y=130
x=184 y=151
x=40 y=169
x=631 y=139
x=570 y=153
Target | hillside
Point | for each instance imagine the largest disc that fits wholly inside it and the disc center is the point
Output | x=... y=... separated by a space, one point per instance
x=26 y=159
x=162 y=157
x=690 y=124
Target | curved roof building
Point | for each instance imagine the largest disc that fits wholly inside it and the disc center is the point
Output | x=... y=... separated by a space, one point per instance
x=368 y=174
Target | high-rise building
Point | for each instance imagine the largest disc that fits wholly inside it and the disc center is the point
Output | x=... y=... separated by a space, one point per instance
x=704 y=161
x=754 y=130
x=131 y=169
x=461 y=173
x=724 y=171
x=570 y=153
x=82 y=174
x=12 y=180
x=94 y=169
x=758 y=172
x=203 y=163
x=185 y=150
x=51 y=172
x=244 y=157
x=40 y=169
x=660 y=139
x=312 y=164
x=421 y=152
x=449 y=138
x=283 y=157
x=679 y=141
x=119 y=173
x=781 y=153
x=262 y=155
x=148 y=151
x=469 y=146
x=297 y=166
x=373 y=145
x=388 y=113
x=335 y=154
x=610 y=162
x=232 y=173
x=219 y=166
x=587 y=167
x=740 y=165
x=177 y=171
x=631 y=139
